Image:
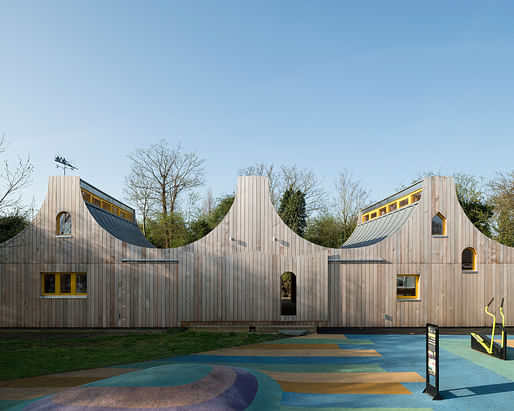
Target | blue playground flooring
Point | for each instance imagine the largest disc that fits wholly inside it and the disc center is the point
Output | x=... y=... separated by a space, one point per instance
x=469 y=380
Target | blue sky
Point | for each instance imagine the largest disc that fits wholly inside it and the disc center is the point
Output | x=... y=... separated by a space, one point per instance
x=386 y=89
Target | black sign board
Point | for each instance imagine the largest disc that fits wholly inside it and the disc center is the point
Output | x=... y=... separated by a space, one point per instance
x=432 y=363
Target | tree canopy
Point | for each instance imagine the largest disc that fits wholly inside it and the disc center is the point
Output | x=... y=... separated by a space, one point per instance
x=292 y=210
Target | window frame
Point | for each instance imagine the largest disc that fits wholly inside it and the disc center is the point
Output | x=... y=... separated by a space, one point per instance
x=407 y=297
x=443 y=218
x=57 y=282
x=58 y=225
x=474 y=261
x=106 y=205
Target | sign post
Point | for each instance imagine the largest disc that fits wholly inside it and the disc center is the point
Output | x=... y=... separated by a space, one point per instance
x=432 y=361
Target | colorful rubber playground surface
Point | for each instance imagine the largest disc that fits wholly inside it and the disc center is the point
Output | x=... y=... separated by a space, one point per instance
x=319 y=371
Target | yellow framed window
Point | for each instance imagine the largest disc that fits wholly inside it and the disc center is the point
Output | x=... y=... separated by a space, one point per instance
x=63 y=223
x=86 y=196
x=403 y=202
x=469 y=259
x=63 y=284
x=96 y=201
x=439 y=224
x=416 y=197
x=407 y=286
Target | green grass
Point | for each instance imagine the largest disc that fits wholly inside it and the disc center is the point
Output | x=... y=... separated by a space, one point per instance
x=28 y=357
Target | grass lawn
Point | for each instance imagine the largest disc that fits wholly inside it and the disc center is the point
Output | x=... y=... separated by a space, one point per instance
x=31 y=356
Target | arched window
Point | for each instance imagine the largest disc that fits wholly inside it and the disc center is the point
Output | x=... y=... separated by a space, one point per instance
x=469 y=259
x=288 y=294
x=438 y=224
x=64 y=223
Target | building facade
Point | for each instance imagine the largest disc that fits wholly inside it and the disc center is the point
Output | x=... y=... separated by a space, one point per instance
x=413 y=258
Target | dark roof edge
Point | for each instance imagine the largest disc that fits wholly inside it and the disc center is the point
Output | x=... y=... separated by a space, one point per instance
x=393 y=197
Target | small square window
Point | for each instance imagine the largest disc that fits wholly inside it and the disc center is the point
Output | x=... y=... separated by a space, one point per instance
x=95 y=201
x=365 y=218
x=382 y=211
x=404 y=202
x=392 y=207
x=373 y=215
x=407 y=286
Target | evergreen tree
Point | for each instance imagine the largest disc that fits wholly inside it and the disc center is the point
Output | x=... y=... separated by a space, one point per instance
x=293 y=211
x=11 y=225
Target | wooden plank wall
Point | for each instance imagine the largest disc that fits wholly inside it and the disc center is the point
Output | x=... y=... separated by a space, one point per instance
x=233 y=274
x=363 y=294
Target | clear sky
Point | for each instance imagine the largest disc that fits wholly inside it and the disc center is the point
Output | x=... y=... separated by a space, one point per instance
x=386 y=89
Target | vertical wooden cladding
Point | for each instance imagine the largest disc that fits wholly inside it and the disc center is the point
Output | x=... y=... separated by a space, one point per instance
x=233 y=274
x=366 y=293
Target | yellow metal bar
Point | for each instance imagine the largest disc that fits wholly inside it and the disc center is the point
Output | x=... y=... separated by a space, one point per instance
x=490 y=349
x=503 y=321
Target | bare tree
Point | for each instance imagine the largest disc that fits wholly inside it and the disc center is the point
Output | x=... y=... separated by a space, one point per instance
x=303 y=180
x=351 y=197
x=138 y=191
x=209 y=202
x=289 y=177
x=161 y=175
x=13 y=181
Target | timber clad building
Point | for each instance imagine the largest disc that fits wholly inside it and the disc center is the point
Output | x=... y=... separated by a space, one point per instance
x=413 y=258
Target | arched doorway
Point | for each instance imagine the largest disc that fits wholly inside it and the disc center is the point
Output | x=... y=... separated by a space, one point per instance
x=288 y=293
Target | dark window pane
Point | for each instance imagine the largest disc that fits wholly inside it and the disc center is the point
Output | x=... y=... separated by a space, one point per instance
x=416 y=197
x=95 y=201
x=403 y=203
x=468 y=259
x=406 y=286
x=86 y=196
x=65 y=283
x=81 y=283
x=437 y=225
x=392 y=207
x=49 y=283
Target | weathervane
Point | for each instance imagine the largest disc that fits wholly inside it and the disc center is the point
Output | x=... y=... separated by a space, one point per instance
x=64 y=164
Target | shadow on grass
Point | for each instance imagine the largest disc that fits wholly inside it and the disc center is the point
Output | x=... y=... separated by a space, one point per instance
x=478 y=390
